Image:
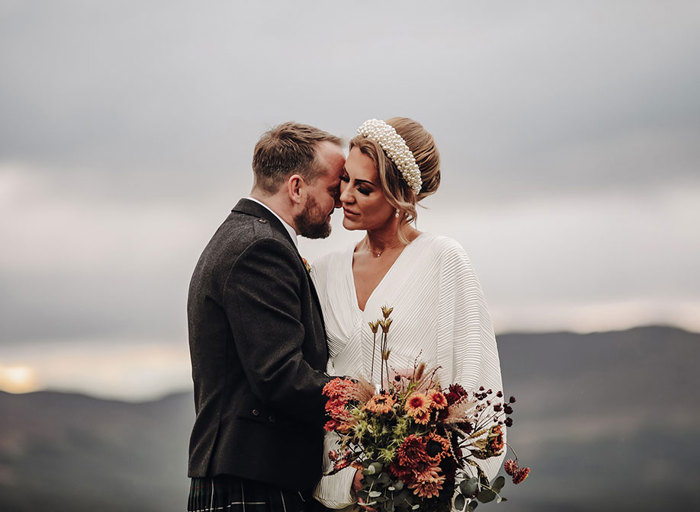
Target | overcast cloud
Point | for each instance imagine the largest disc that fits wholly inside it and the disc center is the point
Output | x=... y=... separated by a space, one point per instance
x=568 y=131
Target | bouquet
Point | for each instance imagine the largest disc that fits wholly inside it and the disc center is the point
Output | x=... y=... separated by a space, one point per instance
x=417 y=444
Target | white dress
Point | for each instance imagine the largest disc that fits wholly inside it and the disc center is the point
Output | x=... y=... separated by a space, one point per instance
x=440 y=317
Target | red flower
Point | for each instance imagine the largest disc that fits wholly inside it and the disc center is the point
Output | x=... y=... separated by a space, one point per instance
x=331 y=425
x=510 y=466
x=456 y=393
x=412 y=452
x=342 y=463
x=397 y=471
x=341 y=389
x=521 y=475
x=335 y=407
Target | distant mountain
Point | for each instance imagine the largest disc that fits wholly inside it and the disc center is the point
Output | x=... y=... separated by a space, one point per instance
x=608 y=421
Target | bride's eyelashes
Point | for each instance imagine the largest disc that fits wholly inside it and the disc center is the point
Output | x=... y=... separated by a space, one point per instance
x=362 y=190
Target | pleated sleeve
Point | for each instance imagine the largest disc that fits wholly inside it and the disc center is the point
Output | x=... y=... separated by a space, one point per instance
x=466 y=340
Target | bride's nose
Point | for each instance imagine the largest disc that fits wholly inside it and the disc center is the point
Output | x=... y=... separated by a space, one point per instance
x=345 y=195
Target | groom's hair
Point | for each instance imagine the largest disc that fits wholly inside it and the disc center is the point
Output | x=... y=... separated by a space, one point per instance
x=287 y=149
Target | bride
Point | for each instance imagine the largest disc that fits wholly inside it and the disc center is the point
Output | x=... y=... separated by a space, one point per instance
x=439 y=315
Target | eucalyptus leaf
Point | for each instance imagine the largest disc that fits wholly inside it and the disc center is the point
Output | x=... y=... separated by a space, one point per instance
x=469 y=486
x=473 y=504
x=486 y=495
x=498 y=483
x=377 y=466
x=460 y=502
x=383 y=479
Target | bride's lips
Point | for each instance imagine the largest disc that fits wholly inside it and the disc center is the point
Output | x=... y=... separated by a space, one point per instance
x=348 y=213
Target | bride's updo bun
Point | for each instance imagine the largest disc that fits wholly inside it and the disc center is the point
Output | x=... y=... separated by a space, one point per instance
x=397 y=191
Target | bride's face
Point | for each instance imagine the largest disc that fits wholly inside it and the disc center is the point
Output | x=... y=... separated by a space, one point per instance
x=364 y=203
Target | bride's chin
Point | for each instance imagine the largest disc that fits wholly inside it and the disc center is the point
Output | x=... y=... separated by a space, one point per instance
x=349 y=225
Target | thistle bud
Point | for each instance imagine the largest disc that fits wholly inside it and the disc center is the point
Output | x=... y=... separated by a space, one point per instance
x=385 y=354
x=386 y=311
x=374 y=326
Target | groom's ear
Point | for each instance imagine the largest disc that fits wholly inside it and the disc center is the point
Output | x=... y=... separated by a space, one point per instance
x=295 y=186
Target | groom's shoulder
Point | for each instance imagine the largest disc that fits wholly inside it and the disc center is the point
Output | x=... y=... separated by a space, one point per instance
x=240 y=230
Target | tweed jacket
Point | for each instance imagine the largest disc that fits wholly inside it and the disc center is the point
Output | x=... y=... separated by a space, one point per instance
x=258 y=351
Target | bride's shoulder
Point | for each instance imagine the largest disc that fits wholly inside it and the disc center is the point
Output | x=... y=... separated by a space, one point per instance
x=443 y=247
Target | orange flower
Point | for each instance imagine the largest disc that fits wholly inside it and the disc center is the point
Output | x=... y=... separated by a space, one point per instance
x=428 y=483
x=421 y=416
x=437 y=448
x=380 y=404
x=437 y=400
x=494 y=443
x=418 y=406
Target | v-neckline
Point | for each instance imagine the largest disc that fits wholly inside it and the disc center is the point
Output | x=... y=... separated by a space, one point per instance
x=353 y=288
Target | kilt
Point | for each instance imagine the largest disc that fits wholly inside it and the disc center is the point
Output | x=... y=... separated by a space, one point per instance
x=233 y=494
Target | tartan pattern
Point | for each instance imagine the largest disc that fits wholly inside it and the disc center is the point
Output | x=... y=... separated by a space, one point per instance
x=232 y=494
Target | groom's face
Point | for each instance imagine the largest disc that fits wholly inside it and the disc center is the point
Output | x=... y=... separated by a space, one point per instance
x=322 y=194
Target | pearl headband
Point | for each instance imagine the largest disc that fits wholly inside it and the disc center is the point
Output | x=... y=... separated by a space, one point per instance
x=395 y=148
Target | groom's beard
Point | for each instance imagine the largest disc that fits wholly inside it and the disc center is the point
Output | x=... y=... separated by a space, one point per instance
x=311 y=222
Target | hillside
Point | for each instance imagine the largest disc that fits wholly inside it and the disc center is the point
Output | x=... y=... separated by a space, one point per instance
x=608 y=421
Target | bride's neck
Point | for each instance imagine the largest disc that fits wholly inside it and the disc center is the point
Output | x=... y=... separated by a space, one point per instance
x=379 y=240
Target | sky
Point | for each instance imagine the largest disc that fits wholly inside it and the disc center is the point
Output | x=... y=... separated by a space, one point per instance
x=568 y=133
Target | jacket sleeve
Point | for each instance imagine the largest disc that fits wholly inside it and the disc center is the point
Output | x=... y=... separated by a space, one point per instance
x=262 y=298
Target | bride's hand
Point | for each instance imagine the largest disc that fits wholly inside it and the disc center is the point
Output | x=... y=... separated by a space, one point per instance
x=357 y=485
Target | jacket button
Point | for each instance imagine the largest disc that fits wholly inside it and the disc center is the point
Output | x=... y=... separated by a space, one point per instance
x=262 y=221
x=256 y=412
x=271 y=418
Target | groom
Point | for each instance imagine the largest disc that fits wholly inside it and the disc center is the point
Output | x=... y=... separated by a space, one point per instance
x=257 y=340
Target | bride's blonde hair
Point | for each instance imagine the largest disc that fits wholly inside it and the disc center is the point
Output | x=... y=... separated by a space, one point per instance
x=398 y=193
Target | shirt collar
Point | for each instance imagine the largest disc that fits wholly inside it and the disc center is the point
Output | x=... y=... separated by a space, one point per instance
x=290 y=229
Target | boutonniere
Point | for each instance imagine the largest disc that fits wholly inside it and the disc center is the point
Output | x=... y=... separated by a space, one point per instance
x=306 y=264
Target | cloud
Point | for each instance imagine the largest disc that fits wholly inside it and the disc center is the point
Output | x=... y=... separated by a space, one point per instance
x=567 y=133
x=110 y=368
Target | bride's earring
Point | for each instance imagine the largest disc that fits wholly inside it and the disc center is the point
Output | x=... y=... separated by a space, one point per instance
x=397 y=213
